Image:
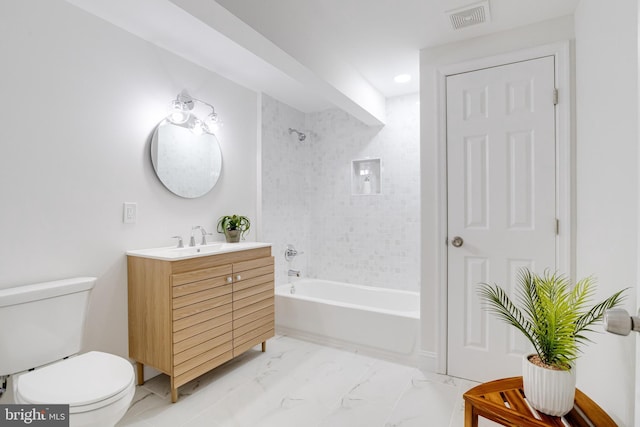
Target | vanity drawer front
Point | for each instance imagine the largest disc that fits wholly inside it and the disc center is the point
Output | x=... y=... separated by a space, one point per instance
x=252 y=264
x=240 y=330
x=214 y=320
x=200 y=285
x=252 y=308
x=203 y=368
x=199 y=307
x=253 y=290
x=251 y=274
x=203 y=348
x=248 y=340
x=254 y=281
x=254 y=298
x=254 y=316
x=180 y=325
x=202 y=358
x=201 y=296
x=202 y=274
x=201 y=332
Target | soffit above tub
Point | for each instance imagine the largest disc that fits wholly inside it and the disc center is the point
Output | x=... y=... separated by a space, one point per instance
x=205 y=33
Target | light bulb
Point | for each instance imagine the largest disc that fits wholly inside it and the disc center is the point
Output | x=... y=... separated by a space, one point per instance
x=213 y=123
x=178 y=113
x=197 y=127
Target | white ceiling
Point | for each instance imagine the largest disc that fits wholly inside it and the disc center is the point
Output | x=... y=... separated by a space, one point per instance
x=381 y=38
x=313 y=54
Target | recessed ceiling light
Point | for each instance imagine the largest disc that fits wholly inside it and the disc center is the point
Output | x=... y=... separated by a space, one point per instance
x=402 y=78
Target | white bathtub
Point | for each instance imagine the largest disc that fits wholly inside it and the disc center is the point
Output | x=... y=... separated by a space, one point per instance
x=384 y=322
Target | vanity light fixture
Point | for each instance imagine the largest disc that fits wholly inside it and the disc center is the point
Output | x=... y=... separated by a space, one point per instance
x=181 y=112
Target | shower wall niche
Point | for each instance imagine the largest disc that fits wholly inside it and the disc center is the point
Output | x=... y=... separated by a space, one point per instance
x=365 y=177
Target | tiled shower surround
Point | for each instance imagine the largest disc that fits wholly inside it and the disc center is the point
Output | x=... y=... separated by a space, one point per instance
x=307 y=194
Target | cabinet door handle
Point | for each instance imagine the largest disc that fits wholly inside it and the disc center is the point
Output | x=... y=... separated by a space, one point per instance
x=229 y=279
x=238 y=277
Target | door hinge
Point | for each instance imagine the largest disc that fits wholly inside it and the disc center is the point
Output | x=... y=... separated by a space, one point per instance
x=555 y=96
x=557 y=227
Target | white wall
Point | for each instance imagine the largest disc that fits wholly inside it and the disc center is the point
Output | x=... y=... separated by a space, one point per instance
x=80 y=101
x=607 y=186
x=372 y=239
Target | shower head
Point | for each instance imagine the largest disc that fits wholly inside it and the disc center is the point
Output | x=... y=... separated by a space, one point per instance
x=301 y=135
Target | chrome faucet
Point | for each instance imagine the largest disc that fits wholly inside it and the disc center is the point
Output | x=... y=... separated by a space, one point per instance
x=293 y=273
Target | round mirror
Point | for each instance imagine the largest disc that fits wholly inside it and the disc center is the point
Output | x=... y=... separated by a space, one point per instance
x=188 y=164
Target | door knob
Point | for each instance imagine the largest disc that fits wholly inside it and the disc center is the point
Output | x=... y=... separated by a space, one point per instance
x=457 y=241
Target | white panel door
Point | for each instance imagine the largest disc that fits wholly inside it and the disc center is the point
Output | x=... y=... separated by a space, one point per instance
x=501 y=204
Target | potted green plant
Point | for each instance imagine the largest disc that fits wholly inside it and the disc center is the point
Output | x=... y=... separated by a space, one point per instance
x=234 y=227
x=553 y=316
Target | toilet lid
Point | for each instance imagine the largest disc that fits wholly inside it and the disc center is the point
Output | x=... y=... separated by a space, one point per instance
x=80 y=380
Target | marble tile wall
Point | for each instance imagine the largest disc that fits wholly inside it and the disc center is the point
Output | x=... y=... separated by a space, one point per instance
x=364 y=239
x=285 y=165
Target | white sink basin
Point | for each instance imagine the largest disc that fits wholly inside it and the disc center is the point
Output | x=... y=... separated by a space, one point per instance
x=173 y=254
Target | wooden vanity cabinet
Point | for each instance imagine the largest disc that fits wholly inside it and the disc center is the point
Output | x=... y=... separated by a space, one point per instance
x=189 y=316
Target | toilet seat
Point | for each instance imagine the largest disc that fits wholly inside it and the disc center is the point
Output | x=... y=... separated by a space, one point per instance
x=86 y=382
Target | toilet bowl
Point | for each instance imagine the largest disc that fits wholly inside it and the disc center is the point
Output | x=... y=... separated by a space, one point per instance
x=98 y=387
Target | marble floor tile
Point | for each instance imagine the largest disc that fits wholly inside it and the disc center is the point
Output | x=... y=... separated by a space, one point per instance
x=425 y=402
x=300 y=384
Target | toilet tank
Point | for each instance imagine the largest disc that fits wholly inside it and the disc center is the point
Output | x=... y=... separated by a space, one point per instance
x=42 y=323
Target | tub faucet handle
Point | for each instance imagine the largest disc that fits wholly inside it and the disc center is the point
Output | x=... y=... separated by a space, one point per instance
x=290 y=252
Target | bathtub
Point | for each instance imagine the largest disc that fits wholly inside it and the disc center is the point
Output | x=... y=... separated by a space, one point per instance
x=379 y=321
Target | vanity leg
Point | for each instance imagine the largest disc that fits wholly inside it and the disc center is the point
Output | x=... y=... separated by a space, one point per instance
x=264 y=346
x=174 y=392
x=140 y=372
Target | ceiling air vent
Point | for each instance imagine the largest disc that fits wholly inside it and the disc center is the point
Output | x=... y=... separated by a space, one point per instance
x=472 y=14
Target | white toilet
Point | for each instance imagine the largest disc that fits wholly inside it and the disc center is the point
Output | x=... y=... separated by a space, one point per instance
x=41 y=327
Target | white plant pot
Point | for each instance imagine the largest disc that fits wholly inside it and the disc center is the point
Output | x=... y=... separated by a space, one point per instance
x=549 y=391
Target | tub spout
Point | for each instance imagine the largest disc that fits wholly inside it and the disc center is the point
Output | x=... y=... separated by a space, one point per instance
x=293 y=273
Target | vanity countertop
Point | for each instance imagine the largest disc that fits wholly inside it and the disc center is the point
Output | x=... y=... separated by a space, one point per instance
x=173 y=253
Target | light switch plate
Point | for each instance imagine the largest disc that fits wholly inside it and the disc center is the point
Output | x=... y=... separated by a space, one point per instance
x=130 y=213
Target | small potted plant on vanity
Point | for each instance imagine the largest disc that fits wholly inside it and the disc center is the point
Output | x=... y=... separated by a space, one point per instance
x=234 y=227
x=553 y=315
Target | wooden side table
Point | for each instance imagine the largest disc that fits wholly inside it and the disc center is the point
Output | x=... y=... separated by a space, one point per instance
x=502 y=401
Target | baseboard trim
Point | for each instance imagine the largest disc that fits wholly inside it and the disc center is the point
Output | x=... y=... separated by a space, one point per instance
x=428 y=361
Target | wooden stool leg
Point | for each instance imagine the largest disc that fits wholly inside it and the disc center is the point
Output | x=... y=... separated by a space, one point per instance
x=140 y=372
x=264 y=346
x=470 y=416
